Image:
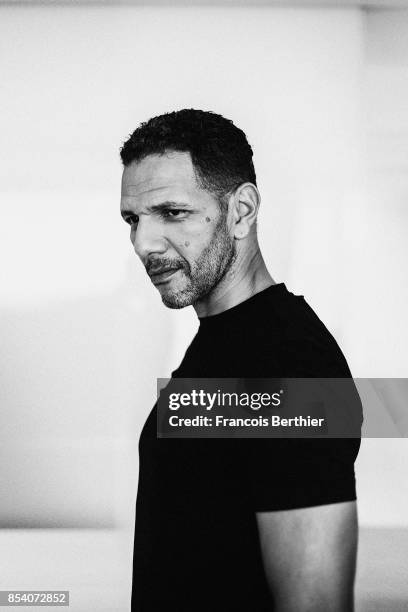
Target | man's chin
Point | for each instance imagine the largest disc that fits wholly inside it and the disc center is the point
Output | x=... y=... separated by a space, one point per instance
x=177 y=297
x=176 y=300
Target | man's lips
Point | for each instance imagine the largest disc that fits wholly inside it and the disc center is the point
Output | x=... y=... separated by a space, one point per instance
x=162 y=275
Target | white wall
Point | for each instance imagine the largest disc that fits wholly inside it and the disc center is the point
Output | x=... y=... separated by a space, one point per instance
x=84 y=333
x=378 y=248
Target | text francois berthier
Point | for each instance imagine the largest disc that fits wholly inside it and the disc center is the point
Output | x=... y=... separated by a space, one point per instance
x=255 y=401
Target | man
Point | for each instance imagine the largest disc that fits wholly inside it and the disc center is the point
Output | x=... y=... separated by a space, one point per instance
x=227 y=524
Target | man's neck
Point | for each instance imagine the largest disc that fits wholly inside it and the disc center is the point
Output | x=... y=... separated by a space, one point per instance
x=246 y=277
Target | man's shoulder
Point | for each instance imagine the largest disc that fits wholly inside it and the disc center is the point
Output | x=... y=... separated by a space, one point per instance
x=306 y=346
x=310 y=348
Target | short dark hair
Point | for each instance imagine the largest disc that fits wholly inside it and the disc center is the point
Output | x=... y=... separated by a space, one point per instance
x=220 y=152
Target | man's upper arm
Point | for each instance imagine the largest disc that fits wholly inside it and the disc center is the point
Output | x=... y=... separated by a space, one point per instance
x=309 y=556
x=303 y=491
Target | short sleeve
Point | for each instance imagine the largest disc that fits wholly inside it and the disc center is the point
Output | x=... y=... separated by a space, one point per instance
x=289 y=473
x=284 y=474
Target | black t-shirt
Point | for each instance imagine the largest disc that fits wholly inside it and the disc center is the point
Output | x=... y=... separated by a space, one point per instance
x=196 y=543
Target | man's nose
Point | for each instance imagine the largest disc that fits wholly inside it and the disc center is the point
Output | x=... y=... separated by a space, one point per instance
x=147 y=239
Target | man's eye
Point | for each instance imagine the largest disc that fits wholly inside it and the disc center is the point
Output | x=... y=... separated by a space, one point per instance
x=132 y=220
x=173 y=213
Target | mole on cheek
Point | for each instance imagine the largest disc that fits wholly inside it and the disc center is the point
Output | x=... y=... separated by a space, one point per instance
x=186 y=243
x=208 y=219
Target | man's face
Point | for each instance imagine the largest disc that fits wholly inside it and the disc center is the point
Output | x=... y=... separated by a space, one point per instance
x=177 y=228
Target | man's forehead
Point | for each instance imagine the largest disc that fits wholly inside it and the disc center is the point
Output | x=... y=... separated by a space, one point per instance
x=157 y=173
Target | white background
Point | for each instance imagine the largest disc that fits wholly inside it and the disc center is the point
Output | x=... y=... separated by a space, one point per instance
x=322 y=95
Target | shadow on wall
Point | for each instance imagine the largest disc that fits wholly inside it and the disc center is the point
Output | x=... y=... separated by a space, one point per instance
x=382 y=570
x=78 y=377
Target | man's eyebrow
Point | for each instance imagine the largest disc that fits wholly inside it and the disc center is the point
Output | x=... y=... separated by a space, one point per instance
x=128 y=212
x=167 y=204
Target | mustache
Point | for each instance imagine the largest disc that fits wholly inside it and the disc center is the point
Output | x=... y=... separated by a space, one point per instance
x=157 y=266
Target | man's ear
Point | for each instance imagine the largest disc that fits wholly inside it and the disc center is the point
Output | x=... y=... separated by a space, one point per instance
x=245 y=205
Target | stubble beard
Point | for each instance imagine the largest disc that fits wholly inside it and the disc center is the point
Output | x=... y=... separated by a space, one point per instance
x=207 y=271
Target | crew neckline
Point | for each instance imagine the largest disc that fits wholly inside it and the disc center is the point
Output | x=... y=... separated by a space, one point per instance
x=241 y=307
